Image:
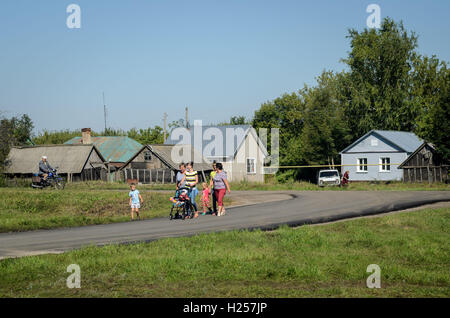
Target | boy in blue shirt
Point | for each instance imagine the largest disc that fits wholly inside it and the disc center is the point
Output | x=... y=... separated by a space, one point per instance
x=135 y=201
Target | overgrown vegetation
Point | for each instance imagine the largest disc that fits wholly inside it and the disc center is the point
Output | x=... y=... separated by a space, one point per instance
x=412 y=250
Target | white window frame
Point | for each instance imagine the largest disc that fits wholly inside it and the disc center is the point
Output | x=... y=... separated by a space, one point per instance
x=247 y=165
x=385 y=166
x=362 y=165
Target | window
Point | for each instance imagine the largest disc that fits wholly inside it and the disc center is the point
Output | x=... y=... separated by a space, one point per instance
x=328 y=174
x=362 y=165
x=251 y=165
x=374 y=142
x=385 y=165
x=147 y=156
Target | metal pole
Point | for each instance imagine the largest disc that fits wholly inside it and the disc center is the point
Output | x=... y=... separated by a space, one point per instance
x=165 y=127
x=104 y=109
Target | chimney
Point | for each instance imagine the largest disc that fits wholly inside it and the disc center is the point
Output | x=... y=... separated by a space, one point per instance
x=86 y=136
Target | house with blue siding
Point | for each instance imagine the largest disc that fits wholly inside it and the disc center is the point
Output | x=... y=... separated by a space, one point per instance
x=377 y=155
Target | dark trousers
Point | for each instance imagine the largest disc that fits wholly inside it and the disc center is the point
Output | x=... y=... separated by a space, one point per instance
x=214 y=203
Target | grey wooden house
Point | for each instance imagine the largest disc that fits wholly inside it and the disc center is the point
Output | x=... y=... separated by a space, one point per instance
x=425 y=165
x=159 y=164
x=74 y=162
x=377 y=155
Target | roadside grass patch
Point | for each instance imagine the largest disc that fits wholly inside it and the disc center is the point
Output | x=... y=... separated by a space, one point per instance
x=412 y=249
x=273 y=185
x=270 y=184
x=30 y=209
x=24 y=209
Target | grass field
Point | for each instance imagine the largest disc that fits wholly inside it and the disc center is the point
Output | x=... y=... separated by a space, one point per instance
x=411 y=248
x=23 y=209
x=355 y=186
x=274 y=186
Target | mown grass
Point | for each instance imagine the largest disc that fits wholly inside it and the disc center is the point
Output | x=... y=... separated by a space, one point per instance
x=270 y=185
x=412 y=250
x=30 y=209
x=273 y=185
x=354 y=186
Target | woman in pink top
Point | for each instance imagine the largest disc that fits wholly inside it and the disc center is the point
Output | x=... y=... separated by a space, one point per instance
x=220 y=186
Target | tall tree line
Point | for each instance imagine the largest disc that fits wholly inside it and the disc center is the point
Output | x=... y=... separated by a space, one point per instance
x=387 y=85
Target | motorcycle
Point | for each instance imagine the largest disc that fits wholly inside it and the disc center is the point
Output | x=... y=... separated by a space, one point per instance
x=53 y=180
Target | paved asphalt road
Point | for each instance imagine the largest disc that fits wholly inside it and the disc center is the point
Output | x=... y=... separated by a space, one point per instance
x=295 y=208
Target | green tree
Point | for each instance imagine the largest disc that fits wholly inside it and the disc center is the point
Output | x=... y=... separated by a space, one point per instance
x=377 y=87
x=16 y=131
x=431 y=92
x=47 y=137
x=287 y=114
x=176 y=124
x=325 y=131
x=238 y=120
x=147 y=136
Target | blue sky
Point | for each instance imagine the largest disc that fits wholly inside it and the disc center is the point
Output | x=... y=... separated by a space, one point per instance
x=219 y=57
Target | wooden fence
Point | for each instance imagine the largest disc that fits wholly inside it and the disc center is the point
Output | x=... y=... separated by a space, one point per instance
x=90 y=174
x=148 y=176
x=425 y=174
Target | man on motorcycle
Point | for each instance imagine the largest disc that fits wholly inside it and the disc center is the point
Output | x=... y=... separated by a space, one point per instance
x=44 y=168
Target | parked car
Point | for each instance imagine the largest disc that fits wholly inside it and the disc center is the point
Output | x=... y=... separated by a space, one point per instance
x=328 y=178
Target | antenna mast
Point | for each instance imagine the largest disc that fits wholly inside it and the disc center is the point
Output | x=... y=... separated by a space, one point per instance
x=104 y=109
x=165 y=126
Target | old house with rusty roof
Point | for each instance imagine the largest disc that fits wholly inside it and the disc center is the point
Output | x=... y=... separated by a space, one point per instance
x=75 y=162
x=115 y=149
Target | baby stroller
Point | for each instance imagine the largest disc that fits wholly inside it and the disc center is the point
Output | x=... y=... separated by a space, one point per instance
x=181 y=204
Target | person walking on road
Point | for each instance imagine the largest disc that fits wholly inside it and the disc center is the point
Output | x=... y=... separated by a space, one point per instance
x=213 y=194
x=135 y=201
x=180 y=175
x=221 y=185
x=191 y=180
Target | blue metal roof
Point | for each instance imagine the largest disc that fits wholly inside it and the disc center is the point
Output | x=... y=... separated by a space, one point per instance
x=407 y=141
x=239 y=136
x=114 y=148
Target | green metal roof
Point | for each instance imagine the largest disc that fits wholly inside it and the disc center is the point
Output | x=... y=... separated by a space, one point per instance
x=114 y=148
